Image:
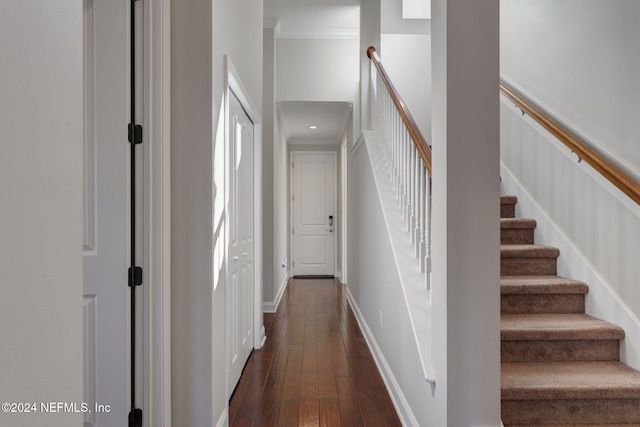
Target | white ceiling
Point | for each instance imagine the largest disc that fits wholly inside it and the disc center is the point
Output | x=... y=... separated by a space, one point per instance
x=314 y=19
x=331 y=118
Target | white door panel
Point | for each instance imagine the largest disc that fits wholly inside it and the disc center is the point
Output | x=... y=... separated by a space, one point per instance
x=241 y=278
x=106 y=259
x=314 y=213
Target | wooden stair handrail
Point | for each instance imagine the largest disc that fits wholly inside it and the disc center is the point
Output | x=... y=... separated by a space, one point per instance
x=614 y=174
x=418 y=139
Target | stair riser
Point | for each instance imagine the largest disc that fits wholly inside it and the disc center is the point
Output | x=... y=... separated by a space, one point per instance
x=507 y=210
x=528 y=266
x=560 y=351
x=587 y=411
x=541 y=303
x=516 y=236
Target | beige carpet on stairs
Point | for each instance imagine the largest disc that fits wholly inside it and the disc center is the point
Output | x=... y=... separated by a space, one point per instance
x=560 y=367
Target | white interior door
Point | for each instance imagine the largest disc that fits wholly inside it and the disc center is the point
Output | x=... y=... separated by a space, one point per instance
x=240 y=271
x=106 y=241
x=314 y=213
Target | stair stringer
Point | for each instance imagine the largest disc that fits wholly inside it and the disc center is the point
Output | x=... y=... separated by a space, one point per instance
x=601 y=301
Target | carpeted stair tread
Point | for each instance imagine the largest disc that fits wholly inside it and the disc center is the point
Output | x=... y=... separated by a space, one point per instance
x=514 y=231
x=517 y=223
x=541 y=285
x=569 y=380
x=528 y=251
x=557 y=327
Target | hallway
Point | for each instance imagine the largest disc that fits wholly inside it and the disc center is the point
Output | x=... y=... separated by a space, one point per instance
x=315 y=368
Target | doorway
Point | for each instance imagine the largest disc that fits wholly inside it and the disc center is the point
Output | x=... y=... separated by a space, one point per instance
x=313 y=213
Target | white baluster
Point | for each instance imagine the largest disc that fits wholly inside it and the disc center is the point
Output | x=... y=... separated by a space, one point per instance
x=427 y=258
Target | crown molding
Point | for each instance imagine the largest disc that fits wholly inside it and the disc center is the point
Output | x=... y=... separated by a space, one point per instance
x=327 y=34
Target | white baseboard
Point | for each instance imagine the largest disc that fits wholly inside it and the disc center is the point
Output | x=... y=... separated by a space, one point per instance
x=602 y=301
x=223 y=421
x=272 y=307
x=338 y=276
x=407 y=418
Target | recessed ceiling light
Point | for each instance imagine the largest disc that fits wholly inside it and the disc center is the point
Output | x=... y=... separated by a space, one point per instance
x=313 y=127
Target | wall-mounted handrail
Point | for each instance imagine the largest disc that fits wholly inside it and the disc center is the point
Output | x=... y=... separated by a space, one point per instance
x=614 y=174
x=418 y=139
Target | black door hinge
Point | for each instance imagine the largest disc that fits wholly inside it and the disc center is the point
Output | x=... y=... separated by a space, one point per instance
x=135 y=418
x=135 y=134
x=135 y=276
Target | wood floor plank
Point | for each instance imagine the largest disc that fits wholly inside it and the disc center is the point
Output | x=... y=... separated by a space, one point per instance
x=386 y=407
x=309 y=414
x=293 y=374
x=330 y=413
x=288 y=415
x=340 y=363
x=367 y=398
x=315 y=368
x=269 y=406
x=350 y=412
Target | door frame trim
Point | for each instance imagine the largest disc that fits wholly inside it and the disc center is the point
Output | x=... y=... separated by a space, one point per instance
x=335 y=203
x=234 y=83
x=156 y=205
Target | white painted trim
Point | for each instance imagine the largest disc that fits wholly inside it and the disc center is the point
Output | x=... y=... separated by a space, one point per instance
x=223 y=421
x=602 y=300
x=272 y=307
x=357 y=144
x=90 y=139
x=335 y=202
x=407 y=418
x=344 y=161
x=233 y=83
x=157 y=215
x=322 y=34
x=89 y=356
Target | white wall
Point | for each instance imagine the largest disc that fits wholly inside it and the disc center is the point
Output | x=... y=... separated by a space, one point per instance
x=317 y=70
x=41 y=125
x=280 y=212
x=202 y=32
x=374 y=283
x=392 y=23
x=580 y=59
x=465 y=210
x=270 y=141
x=407 y=59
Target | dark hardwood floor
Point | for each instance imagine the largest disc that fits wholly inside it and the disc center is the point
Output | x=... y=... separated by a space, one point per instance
x=315 y=368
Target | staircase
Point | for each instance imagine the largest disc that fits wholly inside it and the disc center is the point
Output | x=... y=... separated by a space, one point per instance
x=560 y=367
